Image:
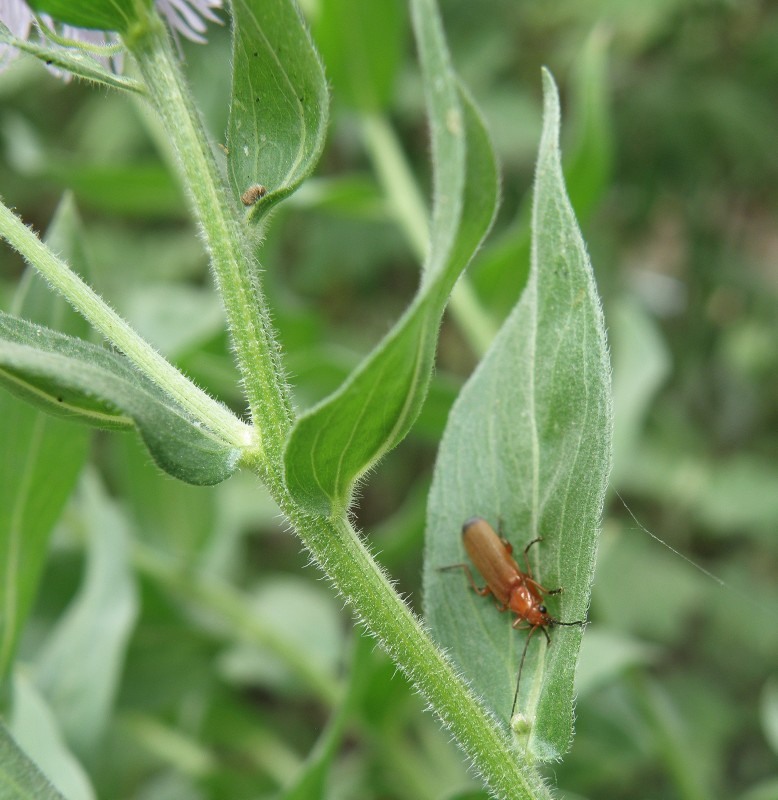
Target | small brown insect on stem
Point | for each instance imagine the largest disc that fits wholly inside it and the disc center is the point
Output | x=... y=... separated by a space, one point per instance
x=252 y=194
x=514 y=589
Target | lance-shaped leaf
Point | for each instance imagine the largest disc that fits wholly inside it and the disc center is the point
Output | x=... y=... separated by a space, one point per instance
x=527 y=446
x=41 y=456
x=337 y=441
x=278 y=115
x=88 y=383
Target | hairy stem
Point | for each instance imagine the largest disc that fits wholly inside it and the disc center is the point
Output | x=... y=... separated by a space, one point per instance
x=119 y=332
x=341 y=554
x=333 y=543
x=230 y=248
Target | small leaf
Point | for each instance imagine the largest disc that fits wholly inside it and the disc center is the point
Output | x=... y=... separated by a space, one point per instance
x=528 y=444
x=98 y=621
x=88 y=383
x=72 y=60
x=337 y=441
x=105 y=15
x=278 y=115
x=20 y=778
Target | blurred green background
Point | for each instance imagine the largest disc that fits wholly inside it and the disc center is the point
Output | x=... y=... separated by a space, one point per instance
x=237 y=654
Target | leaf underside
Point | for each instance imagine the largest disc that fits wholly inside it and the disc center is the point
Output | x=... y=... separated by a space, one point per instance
x=278 y=114
x=87 y=383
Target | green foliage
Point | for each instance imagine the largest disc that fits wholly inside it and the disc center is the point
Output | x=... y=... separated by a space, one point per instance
x=87 y=383
x=527 y=446
x=42 y=456
x=98 y=621
x=241 y=676
x=36 y=729
x=362 y=47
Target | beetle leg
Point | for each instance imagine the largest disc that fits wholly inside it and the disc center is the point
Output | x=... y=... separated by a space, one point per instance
x=505 y=543
x=526 y=557
x=483 y=592
x=540 y=588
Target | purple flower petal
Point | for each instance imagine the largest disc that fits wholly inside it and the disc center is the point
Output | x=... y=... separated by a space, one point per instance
x=187 y=17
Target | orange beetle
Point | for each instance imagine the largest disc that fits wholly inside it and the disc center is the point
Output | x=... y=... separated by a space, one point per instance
x=515 y=590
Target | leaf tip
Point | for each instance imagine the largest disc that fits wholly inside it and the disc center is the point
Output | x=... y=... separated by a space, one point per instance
x=551 y=112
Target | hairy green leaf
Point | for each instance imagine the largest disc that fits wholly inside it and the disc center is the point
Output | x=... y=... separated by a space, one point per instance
x=88 y=383
x=528 y=446
x=338 y=440
x=20 y=778
x=41 y=456
x=278 y=115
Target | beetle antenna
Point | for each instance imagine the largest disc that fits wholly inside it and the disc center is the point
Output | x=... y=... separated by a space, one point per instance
x=521 y=667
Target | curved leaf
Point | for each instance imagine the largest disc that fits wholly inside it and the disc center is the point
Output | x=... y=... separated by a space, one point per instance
x=90 y=384
x=278 y=115
x=337 y=441
x=528 y=444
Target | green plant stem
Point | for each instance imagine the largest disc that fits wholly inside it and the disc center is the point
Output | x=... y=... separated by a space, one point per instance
x=411 y=213
x=229 y=246
x=117 y=331
x=341 y=554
